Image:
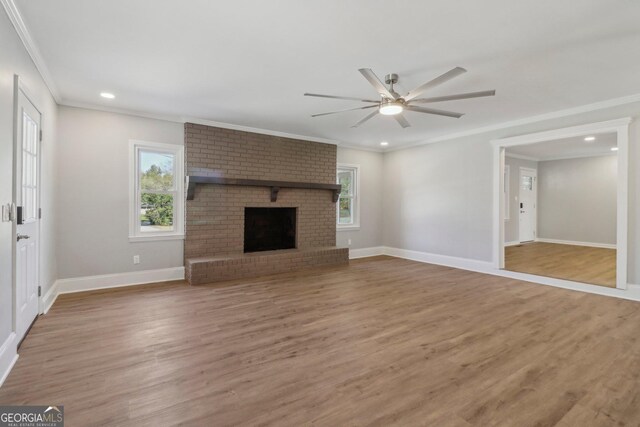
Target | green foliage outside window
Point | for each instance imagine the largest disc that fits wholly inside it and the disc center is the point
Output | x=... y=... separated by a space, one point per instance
x=157 y=208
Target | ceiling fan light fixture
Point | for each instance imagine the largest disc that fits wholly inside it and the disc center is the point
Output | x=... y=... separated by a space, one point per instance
x=391 y=108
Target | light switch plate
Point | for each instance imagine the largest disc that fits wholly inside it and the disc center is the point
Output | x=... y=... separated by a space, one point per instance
x=6 y=212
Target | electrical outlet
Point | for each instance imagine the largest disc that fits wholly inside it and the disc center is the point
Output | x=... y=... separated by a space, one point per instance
x=136 y=259
x=349 y=242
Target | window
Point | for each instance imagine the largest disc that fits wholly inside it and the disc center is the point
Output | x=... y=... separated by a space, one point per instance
x=348 y=207
x=527 y=182
x=157 y=192
x=507 y=201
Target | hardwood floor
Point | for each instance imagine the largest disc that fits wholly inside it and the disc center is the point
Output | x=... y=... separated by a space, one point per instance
x=383 y=341
x=578 y=263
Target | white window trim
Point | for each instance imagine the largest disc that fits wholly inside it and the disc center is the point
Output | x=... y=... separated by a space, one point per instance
x=507 y=195
x=356 y=198
x=135 y=235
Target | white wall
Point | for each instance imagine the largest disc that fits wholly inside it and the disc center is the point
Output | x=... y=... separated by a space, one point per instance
x=15 y=60
x=512 y=225
x=370 y=232
x=577 y=199
x=438 y=197
x=94 y=194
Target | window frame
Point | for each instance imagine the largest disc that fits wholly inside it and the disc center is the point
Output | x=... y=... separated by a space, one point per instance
x=355 y=197
x=135 y=233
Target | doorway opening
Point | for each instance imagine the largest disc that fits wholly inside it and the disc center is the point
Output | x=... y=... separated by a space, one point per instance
x=561 y=204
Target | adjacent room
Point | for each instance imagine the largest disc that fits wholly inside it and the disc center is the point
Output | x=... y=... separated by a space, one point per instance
x=563 y=195
x=337 y=213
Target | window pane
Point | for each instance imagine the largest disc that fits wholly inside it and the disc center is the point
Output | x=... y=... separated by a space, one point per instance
x=156 y=212
x=345 y=211
x=527 y=183
x=156 y=171
x=345 y=179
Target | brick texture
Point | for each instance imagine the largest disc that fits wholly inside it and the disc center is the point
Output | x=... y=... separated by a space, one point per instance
x=214 y=269
x=215 y=218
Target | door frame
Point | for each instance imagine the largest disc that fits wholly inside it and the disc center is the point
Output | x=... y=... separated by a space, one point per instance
x=535 y=210
x=20 y=87
x=621 y=128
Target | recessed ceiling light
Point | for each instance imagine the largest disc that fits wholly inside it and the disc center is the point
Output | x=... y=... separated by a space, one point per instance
x=590 y=138
x=384 y=143
x=614 y=148
x=107 y=95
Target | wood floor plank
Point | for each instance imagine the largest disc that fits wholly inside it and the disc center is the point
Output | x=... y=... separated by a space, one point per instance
x=596 y=266
x=383 y=341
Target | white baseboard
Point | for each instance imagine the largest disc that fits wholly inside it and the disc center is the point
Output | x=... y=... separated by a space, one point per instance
x=49 y=298
x=632 y=293
x=570 y=242
x=366 y=252
x=448 y=261
x=106 y=281
x=515 y=243
x=8 y=356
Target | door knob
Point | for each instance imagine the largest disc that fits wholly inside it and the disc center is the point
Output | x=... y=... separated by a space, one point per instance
x=22 y=236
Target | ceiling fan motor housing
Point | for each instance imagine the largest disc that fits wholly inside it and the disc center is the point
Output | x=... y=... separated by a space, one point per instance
x=391 y=79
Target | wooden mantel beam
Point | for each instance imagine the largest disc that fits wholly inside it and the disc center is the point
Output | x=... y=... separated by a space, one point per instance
x=275 y=186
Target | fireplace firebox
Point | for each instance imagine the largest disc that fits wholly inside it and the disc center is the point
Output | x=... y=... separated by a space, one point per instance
x=268 y=229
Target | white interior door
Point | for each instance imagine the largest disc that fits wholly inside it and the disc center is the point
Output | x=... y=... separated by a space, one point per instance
x=27 y=222
x=528 y=200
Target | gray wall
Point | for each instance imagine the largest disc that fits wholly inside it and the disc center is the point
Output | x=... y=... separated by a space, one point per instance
x=370 y=232
x=512 y=225
x=15 y=60
x=438 y=198
x=577 y=199
x=93 y=187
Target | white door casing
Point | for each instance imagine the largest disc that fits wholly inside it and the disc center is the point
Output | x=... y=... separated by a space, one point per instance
x=621 y=128
x=528 y=191
x=27 y=198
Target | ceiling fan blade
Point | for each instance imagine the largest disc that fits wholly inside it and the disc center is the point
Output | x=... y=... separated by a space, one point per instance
x=376 y=83
x=365 y=119
x=458 y=96
x=402 y=121
x=435 y=82
x=347 y=98
x=342 y=111
x=433 y=111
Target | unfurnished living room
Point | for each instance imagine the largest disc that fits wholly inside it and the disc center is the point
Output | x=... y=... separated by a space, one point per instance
x=336 y=213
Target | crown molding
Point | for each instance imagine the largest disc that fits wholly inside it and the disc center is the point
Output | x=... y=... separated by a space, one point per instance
x=521 y=157
x=206 y=122
x=32 y=49
x=567 y=157
x=579 y=156
x=601 y=105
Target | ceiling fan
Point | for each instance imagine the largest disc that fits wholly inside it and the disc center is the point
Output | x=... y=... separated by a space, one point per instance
x=393 y=104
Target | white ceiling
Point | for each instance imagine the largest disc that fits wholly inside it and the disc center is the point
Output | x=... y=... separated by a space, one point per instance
x=248 y=62
x=567 y=148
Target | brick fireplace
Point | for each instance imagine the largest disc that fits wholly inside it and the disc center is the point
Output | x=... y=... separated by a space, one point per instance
x=214 y=247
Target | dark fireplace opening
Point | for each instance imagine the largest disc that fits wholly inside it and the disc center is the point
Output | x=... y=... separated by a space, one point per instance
x=268 y=229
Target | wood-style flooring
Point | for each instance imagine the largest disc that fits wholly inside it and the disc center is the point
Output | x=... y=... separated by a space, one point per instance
x=383 y=341
x=578 y=263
